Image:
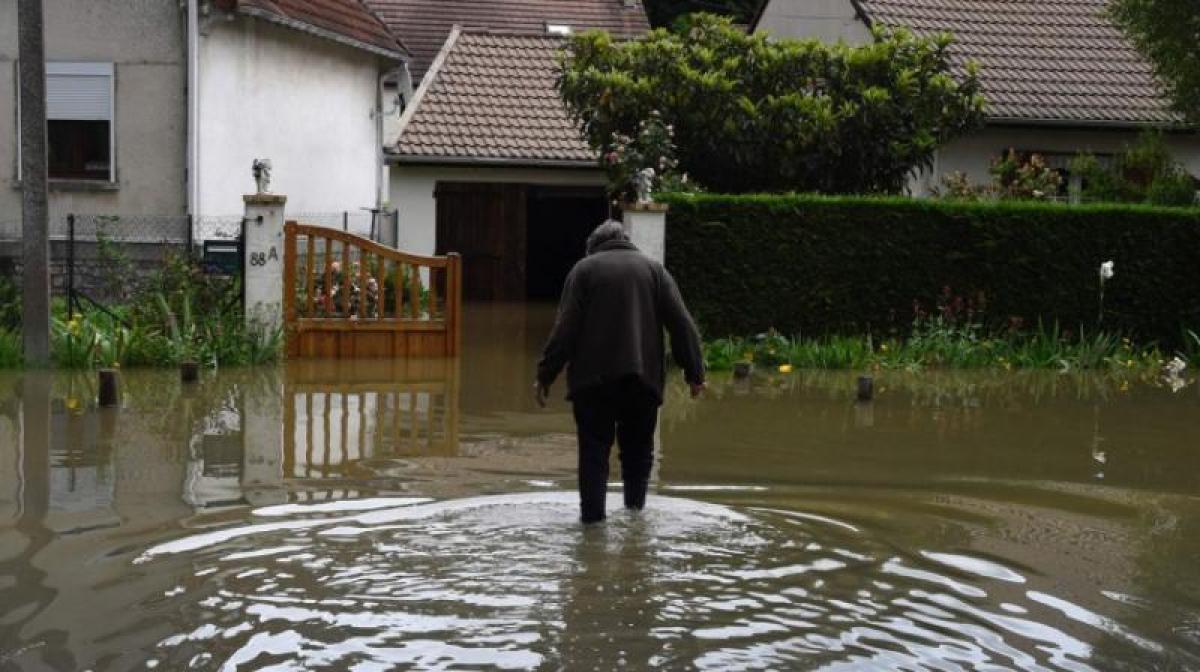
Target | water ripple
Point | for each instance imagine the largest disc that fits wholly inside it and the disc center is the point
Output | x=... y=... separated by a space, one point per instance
x=513 y=582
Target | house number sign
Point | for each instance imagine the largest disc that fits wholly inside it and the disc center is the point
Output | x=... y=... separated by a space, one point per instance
x=261 y=258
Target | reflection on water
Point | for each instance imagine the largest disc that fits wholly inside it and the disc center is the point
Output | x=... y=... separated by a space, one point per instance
x=420 y=514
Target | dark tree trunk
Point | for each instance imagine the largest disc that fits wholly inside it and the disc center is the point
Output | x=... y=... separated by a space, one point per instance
x=35 y=319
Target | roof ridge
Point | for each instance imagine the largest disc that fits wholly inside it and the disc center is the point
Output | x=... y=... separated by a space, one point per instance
x=427 y=82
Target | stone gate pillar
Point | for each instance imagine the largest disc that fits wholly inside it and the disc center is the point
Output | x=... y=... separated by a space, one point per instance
x=646 y=224
x=263 y=260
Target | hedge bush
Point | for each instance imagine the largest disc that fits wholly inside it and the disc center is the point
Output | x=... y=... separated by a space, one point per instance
x=819 y=265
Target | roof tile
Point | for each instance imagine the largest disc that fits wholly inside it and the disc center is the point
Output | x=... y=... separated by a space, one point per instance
x=425 y=24
x=1059 y=60
x=494 y=97
x=351 y=19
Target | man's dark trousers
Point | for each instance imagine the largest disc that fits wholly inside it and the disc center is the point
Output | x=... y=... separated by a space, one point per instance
x=625 y=410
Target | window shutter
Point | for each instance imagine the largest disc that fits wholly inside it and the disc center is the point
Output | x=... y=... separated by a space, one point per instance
x=79 y=91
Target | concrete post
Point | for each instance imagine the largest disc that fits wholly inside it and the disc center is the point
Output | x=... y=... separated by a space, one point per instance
x=263 y=261
x=647 y=228
x=262 y=444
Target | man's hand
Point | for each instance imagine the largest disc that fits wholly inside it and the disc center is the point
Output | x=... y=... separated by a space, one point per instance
x=697 y=389
x=541 y=393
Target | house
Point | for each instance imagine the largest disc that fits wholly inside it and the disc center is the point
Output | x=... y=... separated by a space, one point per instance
x=485 y=160
x=300 y=82
x=1058 y=76
x=116 y=93
x=158 y=107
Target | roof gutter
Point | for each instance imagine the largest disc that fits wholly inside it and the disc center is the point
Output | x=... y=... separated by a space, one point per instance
x=490 y=162
x=321 y=32
x=1089 y=124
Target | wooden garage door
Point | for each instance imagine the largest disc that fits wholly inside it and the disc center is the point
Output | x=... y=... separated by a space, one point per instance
x=485 y=223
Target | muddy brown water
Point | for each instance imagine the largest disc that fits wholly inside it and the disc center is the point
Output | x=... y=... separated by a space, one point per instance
x=420 y=515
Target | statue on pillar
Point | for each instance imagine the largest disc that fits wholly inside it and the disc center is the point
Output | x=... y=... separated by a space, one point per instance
x=643 y=183
x=262 y=175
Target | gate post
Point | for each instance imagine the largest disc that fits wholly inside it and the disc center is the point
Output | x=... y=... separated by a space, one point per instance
x=646 y=226
x=263 y=253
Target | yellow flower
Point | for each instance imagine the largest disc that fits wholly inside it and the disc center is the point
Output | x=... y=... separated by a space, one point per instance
x=785 y=368
x=72 y=403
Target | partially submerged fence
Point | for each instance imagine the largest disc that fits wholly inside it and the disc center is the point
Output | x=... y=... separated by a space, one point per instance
x=338 y=416
x=347 y=296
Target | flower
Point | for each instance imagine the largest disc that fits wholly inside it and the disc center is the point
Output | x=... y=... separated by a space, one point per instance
x=1106 y=270
x=785 y=368
x=1175 y=367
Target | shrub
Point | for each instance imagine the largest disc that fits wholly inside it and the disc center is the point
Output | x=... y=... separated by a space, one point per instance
x=815 y=265
x=752 y=113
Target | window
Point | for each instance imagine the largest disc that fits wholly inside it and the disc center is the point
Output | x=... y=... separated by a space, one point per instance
x=79 y=121
x=558 y=29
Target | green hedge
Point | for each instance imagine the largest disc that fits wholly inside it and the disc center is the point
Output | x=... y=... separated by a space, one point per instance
x=816 y=265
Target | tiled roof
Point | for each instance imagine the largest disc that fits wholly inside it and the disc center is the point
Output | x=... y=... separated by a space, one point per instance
x=348 y=21
x=491 y=98
x=1041 y=60
x=423 y=25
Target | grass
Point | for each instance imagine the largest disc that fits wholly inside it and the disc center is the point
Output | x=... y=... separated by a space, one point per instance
x=939 y=345
x=94 y=339
x=180 y=315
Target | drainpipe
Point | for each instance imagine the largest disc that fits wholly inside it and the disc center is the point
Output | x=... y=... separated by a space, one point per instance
x=403 y=83
x=193 y=112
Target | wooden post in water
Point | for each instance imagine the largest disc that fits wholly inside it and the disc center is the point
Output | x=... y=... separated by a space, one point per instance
x=189 y=372
x=109 y=393
x=866 y=388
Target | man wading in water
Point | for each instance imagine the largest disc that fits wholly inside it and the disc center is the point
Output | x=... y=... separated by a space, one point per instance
x=609 y=335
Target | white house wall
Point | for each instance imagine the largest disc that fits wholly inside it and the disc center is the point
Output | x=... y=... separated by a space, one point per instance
x=303 y=102
x=973 y=154
x=825 y=20
x=412 y=193
x=144 y=40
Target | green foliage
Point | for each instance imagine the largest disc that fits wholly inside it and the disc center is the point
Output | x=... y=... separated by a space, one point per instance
x=1167 y=31
x=752 y=114
x=1016 y=176
x=819 y=266
x=1145 y=172
x=650 y=152
x=10 y=304
x=938 y=343
x=11 y=352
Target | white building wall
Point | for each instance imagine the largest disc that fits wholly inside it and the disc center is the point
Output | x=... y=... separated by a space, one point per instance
x=825 y=20
x=304 y=102
x=412 y=193
x=973 y=154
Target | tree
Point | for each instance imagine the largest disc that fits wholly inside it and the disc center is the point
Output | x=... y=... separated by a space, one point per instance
x=663 y=13
x=1168 y=33
x=35 y=241
x=750 y=114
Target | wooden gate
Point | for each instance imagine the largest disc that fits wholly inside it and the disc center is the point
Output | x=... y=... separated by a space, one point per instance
x=345 y=296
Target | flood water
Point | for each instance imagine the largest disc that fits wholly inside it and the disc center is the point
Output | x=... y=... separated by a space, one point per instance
x=421 y=515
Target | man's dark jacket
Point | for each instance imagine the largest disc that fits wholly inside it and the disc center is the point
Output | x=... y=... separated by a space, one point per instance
x=614 y=307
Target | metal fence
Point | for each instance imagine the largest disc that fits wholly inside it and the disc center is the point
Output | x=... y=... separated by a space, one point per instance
x=83 y=246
